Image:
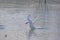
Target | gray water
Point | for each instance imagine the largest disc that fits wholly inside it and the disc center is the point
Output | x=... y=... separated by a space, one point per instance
x=14 y=17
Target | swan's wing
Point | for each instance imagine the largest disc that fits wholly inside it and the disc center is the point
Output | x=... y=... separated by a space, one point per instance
x=40 y=28
x=43 y=28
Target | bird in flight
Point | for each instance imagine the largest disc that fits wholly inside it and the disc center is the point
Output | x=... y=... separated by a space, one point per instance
x=32 y=27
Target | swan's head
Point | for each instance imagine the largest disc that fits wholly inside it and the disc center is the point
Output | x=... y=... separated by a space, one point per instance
x=26 y=22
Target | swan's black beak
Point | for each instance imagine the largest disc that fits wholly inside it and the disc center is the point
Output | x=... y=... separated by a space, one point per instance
x=26 y=22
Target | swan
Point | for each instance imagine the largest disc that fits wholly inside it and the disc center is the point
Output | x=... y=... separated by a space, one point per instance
x=32 y=27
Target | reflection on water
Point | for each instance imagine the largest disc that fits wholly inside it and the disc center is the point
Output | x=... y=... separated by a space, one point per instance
x=2 y=27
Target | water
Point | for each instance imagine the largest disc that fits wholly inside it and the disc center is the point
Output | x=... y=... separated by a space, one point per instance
x=14 y=19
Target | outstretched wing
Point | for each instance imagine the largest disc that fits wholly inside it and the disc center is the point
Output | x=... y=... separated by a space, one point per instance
x=40 y=28
x=45 y=28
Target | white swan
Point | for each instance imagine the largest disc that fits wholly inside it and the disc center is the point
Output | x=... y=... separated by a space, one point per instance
x=32 y=28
